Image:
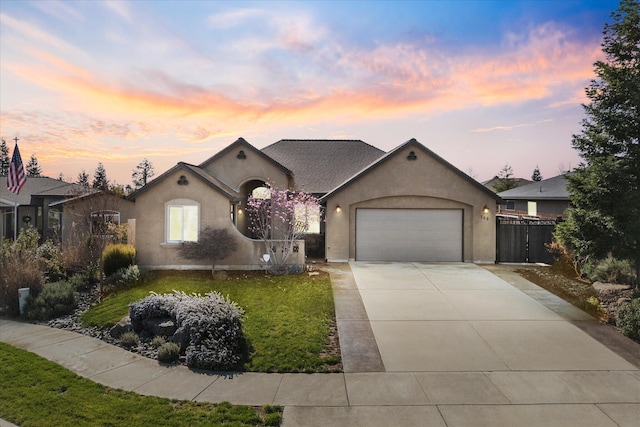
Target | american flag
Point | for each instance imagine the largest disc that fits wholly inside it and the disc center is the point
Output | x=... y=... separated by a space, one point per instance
x=17 y=177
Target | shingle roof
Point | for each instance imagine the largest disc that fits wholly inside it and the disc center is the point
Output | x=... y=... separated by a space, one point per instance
x=321 y=165
x=548 y=189
x=38 y=186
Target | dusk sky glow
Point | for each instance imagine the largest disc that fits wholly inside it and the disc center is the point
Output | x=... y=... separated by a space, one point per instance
x=481 y=83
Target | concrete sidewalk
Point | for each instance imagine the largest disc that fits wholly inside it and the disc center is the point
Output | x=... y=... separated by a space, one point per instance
x=604 y=391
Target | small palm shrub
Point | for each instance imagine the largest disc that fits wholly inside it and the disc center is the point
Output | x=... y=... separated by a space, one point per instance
x=629 y=319
x=168 y=352
x=56 y=299
x=129 y=339
x=116 y=257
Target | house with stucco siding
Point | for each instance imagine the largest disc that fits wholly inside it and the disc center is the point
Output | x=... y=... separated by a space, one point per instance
x=407 y=204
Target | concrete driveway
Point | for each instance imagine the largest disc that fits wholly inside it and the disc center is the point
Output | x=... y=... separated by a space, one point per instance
x=460 y=317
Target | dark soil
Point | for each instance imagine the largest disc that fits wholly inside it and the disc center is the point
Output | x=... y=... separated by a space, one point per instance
x=562 y=280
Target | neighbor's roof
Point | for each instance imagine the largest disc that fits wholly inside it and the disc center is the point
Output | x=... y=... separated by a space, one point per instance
x=320 y=165
x=548 y=189
x=38 y=186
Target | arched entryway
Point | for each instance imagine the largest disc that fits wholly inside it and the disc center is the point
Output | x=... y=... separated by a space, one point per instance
x=255 y=188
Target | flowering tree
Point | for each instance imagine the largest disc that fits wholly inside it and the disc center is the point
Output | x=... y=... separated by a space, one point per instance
x=279 y=218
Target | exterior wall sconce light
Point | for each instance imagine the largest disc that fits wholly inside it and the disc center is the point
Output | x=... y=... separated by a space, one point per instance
x=485 y=210
x=338 y=209
x=241 y=155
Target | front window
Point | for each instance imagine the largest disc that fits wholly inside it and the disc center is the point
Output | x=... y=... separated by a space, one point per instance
x=100 y=221
x=511 y=205
x=182 y=223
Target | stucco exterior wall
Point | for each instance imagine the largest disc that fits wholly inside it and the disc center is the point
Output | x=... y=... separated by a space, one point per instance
x=76 y=214
x=214 y=210
x=423 y=183
x=234 y=171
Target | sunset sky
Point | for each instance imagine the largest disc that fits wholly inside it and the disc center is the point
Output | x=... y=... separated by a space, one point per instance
x=481 y=83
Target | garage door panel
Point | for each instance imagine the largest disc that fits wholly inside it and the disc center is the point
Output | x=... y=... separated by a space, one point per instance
x=409 y=234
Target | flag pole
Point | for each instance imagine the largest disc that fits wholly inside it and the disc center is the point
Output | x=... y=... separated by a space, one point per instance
x=15 y=217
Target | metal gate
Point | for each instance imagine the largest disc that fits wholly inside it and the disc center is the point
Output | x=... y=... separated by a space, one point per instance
x=523 y=240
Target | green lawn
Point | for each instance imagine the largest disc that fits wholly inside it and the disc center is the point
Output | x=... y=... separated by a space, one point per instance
x=287 y=318
x=37 y=392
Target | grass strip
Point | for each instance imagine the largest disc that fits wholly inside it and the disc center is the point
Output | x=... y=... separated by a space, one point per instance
x=37 y=392
x=287 y=320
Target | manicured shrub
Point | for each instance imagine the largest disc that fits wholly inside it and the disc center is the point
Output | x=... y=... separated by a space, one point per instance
x=212 y=326
x=129 y=339
x=152 y=307
x=56 y=299
x=20 y=267
x=629 y=319
x=116 y=257
x=168 y=352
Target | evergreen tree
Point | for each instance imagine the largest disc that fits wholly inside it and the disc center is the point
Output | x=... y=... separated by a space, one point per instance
x=83 y=178
x=142 y=173
x=33 y=169
x=505 y=180
x=536 y=176
x=5 y=161
x=100 y=180
x=605 y=189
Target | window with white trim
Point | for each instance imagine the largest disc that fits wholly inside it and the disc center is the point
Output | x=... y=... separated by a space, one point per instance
x=182 y=222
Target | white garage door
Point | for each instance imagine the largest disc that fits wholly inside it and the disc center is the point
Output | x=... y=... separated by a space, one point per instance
x=409 y=235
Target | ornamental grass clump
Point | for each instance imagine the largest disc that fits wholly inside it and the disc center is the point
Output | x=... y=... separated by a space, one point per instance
x=168 y=352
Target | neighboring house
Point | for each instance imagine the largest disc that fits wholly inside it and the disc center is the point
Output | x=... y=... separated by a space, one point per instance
x=546 y=199
x=91 y=213
x=35 y=206
x=408 y=204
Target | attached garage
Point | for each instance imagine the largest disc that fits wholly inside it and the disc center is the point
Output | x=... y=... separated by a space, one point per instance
x=409 y=235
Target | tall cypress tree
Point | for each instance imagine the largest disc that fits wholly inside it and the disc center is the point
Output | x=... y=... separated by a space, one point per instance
x=5 y=161
x=605 y=188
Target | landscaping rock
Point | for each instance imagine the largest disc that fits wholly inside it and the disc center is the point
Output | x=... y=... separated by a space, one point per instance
x=599 y=286
x=164 y=326
x=181 y=338
x=124 y=325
